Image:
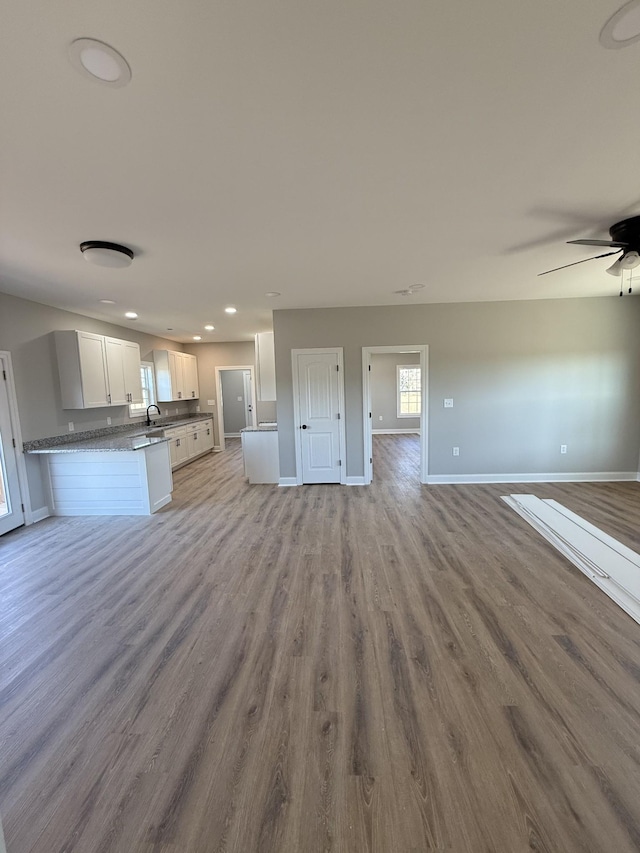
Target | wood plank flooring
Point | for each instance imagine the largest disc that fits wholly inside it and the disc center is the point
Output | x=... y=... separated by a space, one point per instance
x=390 y=669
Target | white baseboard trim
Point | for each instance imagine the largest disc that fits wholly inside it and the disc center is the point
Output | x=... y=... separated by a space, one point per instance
x=217 y=448
x=232 y=435
x=39 y=514
x=288 y=481
x=395 y=431
x=591 y=477
x=355 y=481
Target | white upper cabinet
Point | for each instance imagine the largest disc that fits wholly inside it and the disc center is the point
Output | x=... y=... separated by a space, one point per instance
x=176 y=375
x=266 y=364
x=97 y=371
x=190 y=376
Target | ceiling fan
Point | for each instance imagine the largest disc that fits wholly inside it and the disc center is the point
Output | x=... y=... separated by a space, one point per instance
x=625 y=238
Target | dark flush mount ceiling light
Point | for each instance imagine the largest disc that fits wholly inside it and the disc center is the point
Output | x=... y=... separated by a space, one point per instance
x=100 y=62
x=623 y=27
x=106 y=254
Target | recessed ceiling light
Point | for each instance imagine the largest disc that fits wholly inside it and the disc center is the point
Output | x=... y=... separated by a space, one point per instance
x=100 y=62
x=209 y=328
x=106 y=254
x=623 y=27
x=415 y=287
x=169 y=328
x=131 y=315
x=107 y=301
x=272 y=293
x=405 y=292
x=197 y=337
x=230 y=310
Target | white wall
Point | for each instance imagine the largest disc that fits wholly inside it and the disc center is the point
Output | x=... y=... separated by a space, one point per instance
x=526 y=377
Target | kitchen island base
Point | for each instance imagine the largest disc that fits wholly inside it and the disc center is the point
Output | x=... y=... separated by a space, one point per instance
x=127 y=482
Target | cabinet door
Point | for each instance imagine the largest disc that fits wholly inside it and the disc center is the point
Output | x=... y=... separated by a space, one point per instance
x=194 y=443
x=176 y=371
x=93 y=370
x=115 y=371
x=178 y=449
x=266 y=361
x=132 y=381
x=207 y=435
x=190 y=364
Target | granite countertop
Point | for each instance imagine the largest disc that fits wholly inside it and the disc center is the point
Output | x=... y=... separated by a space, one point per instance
x=261 y=428
x=110 y=439
x=105 y=443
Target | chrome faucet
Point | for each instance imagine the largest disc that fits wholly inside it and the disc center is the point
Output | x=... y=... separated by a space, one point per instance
x=152 y=406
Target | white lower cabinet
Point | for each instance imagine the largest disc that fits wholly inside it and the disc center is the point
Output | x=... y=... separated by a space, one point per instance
x=188 y=442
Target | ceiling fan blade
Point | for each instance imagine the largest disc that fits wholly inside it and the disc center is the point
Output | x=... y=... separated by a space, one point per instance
x=611 y=243
x=575 y=263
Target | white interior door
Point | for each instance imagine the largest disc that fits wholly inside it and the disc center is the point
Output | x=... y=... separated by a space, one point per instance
x=319 y=382
x=11 y=513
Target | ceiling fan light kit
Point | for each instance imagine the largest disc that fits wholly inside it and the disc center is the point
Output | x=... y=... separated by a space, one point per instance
x=625 y=240
x=105 y=254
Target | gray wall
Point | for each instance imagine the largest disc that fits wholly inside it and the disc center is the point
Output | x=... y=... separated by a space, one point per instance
x=525 y=377
x=235 y=413
x=384 y=390
x=212 y=355
x=25 y=331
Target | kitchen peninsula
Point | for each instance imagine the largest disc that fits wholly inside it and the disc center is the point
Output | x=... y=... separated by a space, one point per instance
x=118 y=471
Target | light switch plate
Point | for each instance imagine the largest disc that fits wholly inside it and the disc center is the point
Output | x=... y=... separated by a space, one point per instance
x=448 y=402
x=211 y=402
x=456 y=451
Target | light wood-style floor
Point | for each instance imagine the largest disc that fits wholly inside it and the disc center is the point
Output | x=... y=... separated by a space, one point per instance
x=394 y=668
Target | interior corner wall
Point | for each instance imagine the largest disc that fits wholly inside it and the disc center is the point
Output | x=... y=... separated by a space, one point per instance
x=212 y=355
x=525 y=377
x=384 y=390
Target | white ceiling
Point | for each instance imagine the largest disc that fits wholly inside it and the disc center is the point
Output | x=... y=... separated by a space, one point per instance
x=335 y=151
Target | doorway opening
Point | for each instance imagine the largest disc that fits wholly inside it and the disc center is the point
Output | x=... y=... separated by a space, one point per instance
x=395 y=399
x=13 y=488
x=236 y=400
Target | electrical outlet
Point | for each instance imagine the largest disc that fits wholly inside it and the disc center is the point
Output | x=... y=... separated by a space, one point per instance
x=177 y=411
x=197 y=408
x=108 y=421
x=71 y=426
x=379 y=417
x=166 y=413
x=563 y=448
x=456 y=451
x=211 y=402
x=448 y=402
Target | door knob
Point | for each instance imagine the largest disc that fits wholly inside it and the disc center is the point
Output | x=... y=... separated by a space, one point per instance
x=304 y=426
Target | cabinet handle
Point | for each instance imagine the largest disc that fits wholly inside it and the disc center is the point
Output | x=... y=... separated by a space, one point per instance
x=109 y=398
x=193 y=393
x=177 y=442
x=179 y=395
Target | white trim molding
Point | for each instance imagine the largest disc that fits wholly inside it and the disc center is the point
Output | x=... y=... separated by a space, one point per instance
x=288 y=481
x=40 y=514
x=553 y=477
x=356 y=481
x=14 y=415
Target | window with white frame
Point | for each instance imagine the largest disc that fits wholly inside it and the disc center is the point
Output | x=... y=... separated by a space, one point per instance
x=137 y=410
x=409 y=391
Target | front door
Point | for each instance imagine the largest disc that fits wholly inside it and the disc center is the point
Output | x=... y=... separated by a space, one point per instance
x=11 y=513
x=319 y=409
